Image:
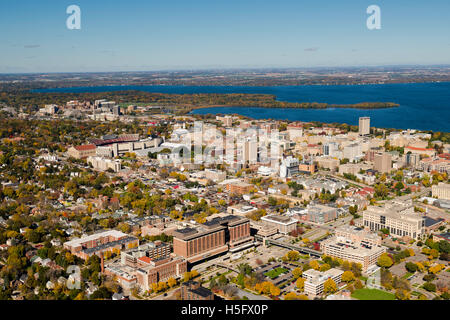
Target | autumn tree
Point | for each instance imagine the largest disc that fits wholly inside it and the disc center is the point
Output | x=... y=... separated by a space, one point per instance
x=300 y=283
x=385 y=261
x=329 y=286
x=275 y=291
x=314 y=264
x=297 y=273
x=348 y=276
x=171 y=282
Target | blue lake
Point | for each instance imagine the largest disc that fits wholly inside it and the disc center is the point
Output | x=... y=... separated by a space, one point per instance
x=424 y=106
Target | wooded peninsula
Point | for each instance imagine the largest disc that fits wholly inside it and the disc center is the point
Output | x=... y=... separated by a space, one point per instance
x=185 y=102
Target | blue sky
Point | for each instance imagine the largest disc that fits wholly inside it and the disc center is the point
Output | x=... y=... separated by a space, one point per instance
x=132 y=35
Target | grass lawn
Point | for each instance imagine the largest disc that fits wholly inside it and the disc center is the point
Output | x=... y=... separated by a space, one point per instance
x=272 y=274
x=407 y=275
x=372 y=294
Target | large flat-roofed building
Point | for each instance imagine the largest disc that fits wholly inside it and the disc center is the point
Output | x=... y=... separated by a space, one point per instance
x=159 y=270
x=441 y=191
x=152 y=250
x=398 y=217
x=434 y=164
x=99 y=243
x=314 y=280
x=215 y=175
x=146 y=271
x=358 y=235
x=308 y=167
x=102 y=164
x=219 y=235
x=239 y=187
x=192 y=290
x=320 y=214
x=284 y=224
x=82 y=152
x=363 y=252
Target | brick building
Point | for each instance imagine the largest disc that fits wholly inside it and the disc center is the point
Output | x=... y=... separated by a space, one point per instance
x=192 y=290
x=99 y=243
x=82 y=152
x=214 y=237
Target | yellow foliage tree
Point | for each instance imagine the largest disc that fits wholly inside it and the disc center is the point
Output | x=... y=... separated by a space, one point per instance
x=348 y=276
x=325 y=267
x=314 y=264
x=300 y=283
x=297 y=272
x=329 y=286
x=172 y=282
x=275 y=291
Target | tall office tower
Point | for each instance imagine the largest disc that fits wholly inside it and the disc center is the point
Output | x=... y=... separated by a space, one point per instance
x=383 y=162
x=364 y=126
x=250 y=151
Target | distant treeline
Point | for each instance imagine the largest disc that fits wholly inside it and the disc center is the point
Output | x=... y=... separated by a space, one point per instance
x=184 y=102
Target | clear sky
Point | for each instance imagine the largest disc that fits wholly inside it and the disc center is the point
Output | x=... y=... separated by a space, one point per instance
x=132 y=35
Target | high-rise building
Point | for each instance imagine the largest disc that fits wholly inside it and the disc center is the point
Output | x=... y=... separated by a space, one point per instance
x=383 y=162
x=250 y=151
x=364 y=126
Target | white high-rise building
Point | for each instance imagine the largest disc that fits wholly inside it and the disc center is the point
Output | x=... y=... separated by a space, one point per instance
x=289 y=167
x=364 y=126
x=250 y=151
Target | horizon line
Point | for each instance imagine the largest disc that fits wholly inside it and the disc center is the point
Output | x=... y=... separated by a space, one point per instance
x=186 y=69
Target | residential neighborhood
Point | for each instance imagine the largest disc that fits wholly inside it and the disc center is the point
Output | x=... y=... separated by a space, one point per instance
x=102 y=201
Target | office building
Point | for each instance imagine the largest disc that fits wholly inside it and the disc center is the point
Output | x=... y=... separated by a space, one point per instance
x=239 y=187
x=320 y=214
x=364 y=126
x=102 y=164
x=353 y=152
x=383 y=162
x=289 y=167
x=99 y=243
x=219 y=235
x=215 y=175
x=284 y=224
x=146 y=271
x=397 y=217
x=355 y=245
x=314 y=280
x=250 y=151
x=441 y=191
x=151 y=250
